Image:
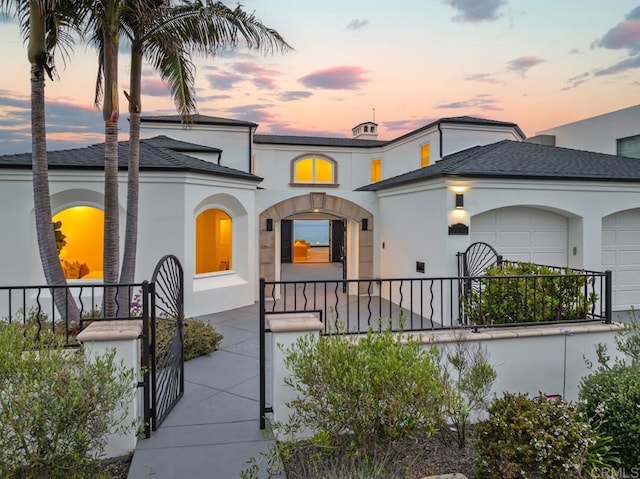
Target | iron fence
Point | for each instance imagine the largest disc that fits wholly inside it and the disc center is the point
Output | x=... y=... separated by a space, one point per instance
x=416 y=304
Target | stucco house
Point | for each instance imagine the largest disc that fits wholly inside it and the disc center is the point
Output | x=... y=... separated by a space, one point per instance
x=223 y=198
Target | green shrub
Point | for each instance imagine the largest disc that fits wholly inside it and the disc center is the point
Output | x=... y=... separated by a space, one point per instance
x=200 y=339
x=501 y=299
x=56 y=407
x=377 y=390
x=610 y=399
x=531 y=438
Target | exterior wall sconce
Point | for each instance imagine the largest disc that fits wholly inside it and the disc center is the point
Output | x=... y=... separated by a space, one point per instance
x=269 y=224
x=365 y=224
x=459 y=201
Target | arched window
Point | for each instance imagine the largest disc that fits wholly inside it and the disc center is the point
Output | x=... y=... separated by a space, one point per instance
x=80 y=245
x=214 y=229
x=314 y=170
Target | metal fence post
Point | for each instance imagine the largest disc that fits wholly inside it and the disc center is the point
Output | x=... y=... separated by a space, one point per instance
x=608 y=301
x=146 y=373
x=263 y=366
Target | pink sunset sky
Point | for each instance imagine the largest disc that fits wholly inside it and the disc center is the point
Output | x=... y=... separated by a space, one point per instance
x=539 y=64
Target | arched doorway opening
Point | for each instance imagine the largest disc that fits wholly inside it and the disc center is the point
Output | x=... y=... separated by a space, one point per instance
x=347 y=233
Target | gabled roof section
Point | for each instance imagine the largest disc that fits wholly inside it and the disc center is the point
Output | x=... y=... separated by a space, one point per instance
x=152 y=158
x=163 y=141
x=519 y=160
x=198 y=119
x=316 y=141
x=360 y=143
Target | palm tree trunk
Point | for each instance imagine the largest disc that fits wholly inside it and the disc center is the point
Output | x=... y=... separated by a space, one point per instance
x=111 y=253
x=127 y=275
x=52 y=268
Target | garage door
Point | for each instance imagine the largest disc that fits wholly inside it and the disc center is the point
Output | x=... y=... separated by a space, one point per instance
x=621 y=255
x=524 y=234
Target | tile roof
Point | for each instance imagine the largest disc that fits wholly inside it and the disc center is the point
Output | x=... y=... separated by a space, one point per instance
x=520 y=160
x=198 y=119
x=152 y=158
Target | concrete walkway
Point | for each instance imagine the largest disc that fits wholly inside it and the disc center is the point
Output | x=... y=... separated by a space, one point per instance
x=214 y=428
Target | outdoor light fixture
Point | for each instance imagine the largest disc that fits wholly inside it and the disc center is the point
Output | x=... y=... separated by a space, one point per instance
x=269 y=224
x=459 y=201
x=365 y=224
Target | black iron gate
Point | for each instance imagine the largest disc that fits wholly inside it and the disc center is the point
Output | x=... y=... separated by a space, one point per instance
x=163 y=359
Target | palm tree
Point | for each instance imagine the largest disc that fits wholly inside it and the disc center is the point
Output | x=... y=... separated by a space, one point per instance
x=47 y=25
x=166 y=34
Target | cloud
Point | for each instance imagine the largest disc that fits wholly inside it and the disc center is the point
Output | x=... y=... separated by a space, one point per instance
x=476 y=11
x=68 y=125
x=214 y=97
x=406 y=125
x=576 y=80
x=522 y=65
x=223 y=81
x=623 y=65
x=154 y=87
x=625 y=35
x=260 y=76
x=286 y=128
x=257 y=113
x=575 y=51
x=482 y=102
x=294 y=95
x=336 y=78
x=358 y=24
x=483 y=77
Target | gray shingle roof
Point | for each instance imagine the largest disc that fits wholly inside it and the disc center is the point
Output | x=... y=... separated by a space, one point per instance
x=152 y=158
x=162 y=141
x=316 y=141
x=361 y=143
x=520 y=160
x=198 y=119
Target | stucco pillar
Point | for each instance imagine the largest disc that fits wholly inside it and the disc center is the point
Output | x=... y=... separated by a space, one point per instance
x=99 y=338
x=592 y=242
x=286 y=330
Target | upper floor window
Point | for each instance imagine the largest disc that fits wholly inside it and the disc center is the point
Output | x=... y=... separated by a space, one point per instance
x=376 y=170
x=314 y=170
x=424 y=155
x=629 y=146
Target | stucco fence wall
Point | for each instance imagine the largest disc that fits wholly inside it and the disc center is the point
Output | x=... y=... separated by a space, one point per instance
x=535 y=360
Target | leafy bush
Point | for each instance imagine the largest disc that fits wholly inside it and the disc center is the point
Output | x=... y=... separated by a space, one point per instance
x=56 y=407
x=610 y=399
x=531 y=438
x=200 y=339
x=501 y=297
x=377 y=390
x=469 y=377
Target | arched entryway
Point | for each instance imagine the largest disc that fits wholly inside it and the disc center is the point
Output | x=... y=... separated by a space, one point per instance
x=359 y=231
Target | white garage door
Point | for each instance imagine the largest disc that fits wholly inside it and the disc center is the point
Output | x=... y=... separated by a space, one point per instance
x=524 y=234
x=621 y=254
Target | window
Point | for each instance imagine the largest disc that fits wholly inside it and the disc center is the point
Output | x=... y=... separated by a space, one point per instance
x=80 y=245
x=629 y=146
x=314 y=170
x=424 y=155
x=213 y=241
x=376 y=170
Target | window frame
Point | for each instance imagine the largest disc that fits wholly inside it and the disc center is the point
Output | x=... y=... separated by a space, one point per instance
x=334 y=171
x=376 y=166
x=428 y=145
x=218 y=272
x=619 y=142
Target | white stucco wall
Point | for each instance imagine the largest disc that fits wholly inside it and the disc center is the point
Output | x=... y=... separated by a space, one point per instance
x=234 y=141
x=598 y=133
